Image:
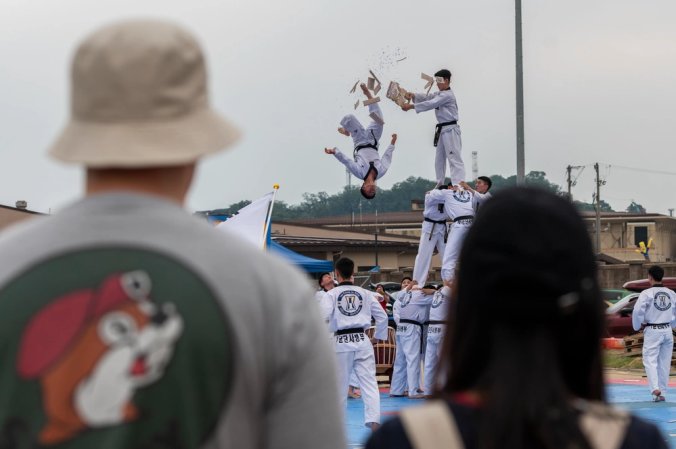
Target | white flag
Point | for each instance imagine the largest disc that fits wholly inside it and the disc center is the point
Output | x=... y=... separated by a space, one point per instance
x=251 y=222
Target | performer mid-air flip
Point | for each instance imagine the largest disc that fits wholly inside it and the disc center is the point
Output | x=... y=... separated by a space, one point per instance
x=367 y=163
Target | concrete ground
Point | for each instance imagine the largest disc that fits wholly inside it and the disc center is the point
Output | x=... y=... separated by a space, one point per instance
x=626 y=389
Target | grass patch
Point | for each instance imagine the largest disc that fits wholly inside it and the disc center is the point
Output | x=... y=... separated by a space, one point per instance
x=619 y=359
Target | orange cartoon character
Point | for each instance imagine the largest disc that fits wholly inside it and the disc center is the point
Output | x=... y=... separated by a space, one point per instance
x=91 y=349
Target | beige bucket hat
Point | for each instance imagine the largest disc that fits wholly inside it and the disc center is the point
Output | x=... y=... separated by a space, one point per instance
x=139 y=99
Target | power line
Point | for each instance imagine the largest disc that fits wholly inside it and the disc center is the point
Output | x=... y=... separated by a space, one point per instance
x=645 y=170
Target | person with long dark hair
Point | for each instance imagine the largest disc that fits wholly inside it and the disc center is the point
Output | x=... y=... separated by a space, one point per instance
x=522 y=365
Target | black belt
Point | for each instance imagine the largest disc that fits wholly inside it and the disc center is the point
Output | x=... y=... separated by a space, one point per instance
x=420 y=325
x=434 y=223
x=366 y=145
x=430 y=322
x=373 y=145
x=658 y=325
x=437 y=130
x=464 y=217
x=352 y=330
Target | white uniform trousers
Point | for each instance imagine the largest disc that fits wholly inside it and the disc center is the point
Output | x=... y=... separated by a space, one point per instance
x=658 y=344
x=449 y=148
x=452 y=252
x=423 y=259
x=353 y=380
x=406 y=371
x=435 y=337
x=363 y=364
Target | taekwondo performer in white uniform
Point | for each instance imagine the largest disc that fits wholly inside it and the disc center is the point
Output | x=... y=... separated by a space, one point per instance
x=410 y=315
x=481 y=194
x=326 y=283
x=366 y=163
x=656 y=310
x=349 y=309
x=436 y=328
x=434 y=235
x=447 y=137
x=458 y=206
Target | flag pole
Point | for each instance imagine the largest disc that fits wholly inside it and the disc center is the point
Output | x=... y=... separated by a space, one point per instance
x=269 y=215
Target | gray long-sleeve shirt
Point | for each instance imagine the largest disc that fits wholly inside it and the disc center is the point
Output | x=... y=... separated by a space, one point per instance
x=125 y=322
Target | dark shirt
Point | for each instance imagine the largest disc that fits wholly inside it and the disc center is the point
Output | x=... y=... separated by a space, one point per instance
x=391 y=435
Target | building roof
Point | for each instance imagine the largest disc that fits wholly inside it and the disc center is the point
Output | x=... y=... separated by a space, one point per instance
x=407 y=217
x=329 y=244
x=591 y=214
x=17 y=209
x=357 y=220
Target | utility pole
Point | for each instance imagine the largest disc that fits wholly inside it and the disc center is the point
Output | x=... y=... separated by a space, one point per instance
x=520 y=157
x=376 y=243
x=475 y=165
x=569 y=181
x=598 y=209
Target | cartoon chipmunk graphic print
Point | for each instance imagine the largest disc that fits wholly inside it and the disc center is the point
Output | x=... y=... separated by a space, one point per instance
x=92 y=349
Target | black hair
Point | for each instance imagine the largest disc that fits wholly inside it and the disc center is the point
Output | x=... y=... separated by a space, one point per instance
x=656 y=272
x=528 y=259
x=487 y=180
x=345 y=267
x=443 y=187
x=319 y=281
x=444 y=73
x=368 y=196
x=406 y=277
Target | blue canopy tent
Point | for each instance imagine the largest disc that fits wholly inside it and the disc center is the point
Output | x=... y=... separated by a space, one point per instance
x=306 y=263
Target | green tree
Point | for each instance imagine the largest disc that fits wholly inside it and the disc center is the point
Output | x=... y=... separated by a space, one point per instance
x=398 y=198
x=591 y=207
x=282 y=211
x=635 y=208
x=233 y=208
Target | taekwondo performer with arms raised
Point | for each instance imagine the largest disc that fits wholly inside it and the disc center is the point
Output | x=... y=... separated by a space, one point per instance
x=434 y=235
x=447 y=137
x=481 y=192
x=367 y=163
x=349 y=310
x=410 y=313
x=656 y=310
x=458 y=206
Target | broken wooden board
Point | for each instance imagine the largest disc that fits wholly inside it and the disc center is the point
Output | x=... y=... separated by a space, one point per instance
x=371 y=101
x=397 y=93
x=377 y=118
x=373 y=75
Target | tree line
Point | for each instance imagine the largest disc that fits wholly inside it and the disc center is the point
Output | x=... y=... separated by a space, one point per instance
x=397 y=199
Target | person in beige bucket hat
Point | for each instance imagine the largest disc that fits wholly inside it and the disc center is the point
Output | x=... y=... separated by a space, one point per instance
x=127 y=322
x=139 y=99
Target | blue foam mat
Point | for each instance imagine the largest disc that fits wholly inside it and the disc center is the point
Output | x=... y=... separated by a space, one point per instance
x=635 y=398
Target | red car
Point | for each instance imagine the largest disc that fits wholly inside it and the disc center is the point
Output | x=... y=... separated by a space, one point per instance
x=642 y=284
x=618 y=316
